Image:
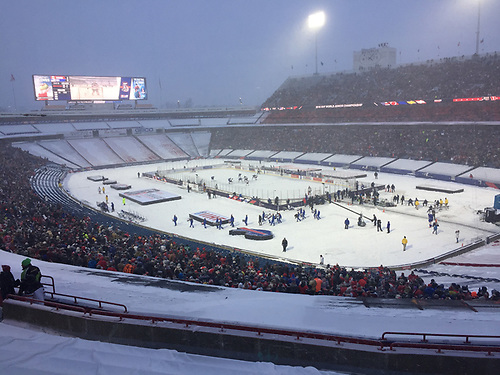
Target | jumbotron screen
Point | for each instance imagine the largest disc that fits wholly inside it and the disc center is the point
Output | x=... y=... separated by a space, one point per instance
x=89 y=88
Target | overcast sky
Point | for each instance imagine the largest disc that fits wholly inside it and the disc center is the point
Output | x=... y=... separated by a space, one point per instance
x=215 y=52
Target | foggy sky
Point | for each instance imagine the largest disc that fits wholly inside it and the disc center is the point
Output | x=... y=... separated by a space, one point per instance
x=217 y=51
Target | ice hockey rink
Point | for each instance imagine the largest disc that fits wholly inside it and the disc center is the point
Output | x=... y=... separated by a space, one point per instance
x=309 y=238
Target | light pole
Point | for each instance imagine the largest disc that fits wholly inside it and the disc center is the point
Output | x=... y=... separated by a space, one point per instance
x=315 y=21
x=478 y=24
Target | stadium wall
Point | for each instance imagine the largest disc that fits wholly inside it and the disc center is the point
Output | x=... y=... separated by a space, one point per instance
x=363 y=355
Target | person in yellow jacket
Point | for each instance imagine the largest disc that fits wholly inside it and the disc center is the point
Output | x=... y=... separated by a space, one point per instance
x=404 y=242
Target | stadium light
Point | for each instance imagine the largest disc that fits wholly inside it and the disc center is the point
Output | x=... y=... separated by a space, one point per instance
x=478 y=24
x=315 y=21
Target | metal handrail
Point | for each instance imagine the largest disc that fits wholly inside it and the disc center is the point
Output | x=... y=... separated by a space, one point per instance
x=227 y=326
x=53 y=293
x=440 y=347
x=381 y=343
x=98 y=301
x=57 y=305
x=52 y=284
x=425 y=335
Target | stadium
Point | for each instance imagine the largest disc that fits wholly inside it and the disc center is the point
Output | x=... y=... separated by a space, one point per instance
x=164 y=228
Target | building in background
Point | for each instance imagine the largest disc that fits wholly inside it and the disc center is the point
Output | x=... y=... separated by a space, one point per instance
x=381 y=57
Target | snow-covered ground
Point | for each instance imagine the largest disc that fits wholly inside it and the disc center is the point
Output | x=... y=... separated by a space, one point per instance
x=25 y=349
x=310 y=238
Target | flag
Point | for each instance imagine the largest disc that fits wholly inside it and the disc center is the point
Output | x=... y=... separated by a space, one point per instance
x=12 y=79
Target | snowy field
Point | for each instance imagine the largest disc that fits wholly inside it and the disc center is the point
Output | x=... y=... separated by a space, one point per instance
x=310 y=238
x=27 y=349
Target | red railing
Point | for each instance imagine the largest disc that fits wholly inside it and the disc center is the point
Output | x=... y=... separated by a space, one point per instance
x=450 y=335
x=52 y=284
x=440 y=347
x=381 y=344
x=57 y=305
x=98 y=301
x=75 y=299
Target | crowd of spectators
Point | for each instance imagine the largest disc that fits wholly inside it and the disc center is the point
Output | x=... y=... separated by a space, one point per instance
x=35 y=228
x=473 y=111
x=470 y=144
x=448 y=78
x=422 y=92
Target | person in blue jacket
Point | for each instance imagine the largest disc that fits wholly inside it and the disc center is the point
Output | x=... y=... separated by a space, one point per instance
x=346 y=223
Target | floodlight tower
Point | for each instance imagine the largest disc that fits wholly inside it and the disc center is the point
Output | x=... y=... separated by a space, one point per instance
x=478 y=24
x=315 y=22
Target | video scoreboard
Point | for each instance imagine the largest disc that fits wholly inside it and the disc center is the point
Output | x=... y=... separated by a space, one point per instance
x=89 y=88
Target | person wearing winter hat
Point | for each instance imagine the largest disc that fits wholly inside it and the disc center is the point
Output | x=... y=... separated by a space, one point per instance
x=7 y=283
x=30 y=285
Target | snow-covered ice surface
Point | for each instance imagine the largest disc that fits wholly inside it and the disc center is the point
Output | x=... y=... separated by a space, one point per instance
x=355 y=247
x=24 y=350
